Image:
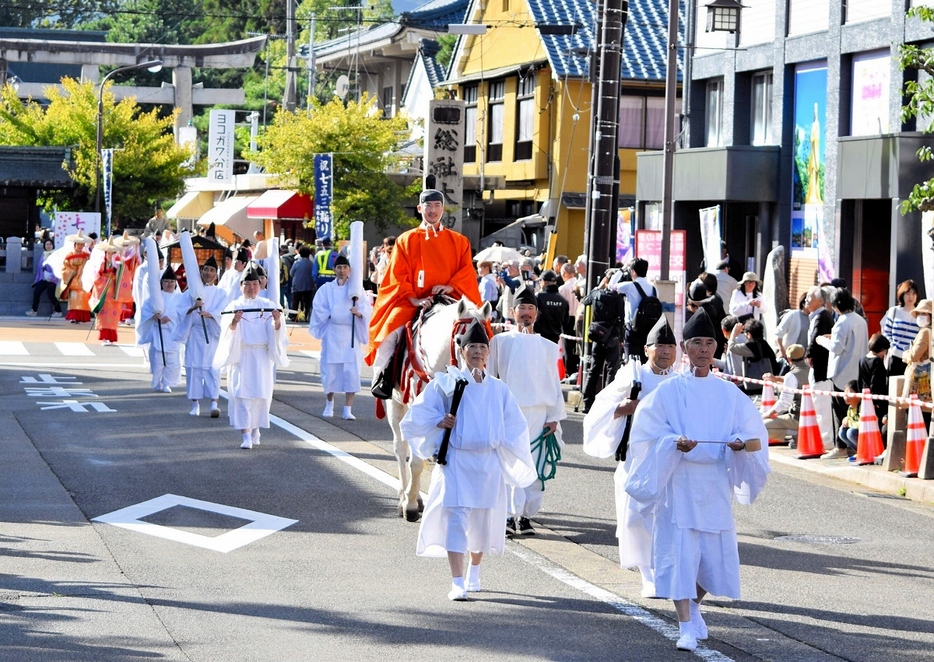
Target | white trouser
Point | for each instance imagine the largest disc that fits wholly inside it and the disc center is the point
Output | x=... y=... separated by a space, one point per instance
x=385 y=351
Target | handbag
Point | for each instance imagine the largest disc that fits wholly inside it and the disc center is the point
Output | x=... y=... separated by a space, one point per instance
x=918 y=381
x=600 y=332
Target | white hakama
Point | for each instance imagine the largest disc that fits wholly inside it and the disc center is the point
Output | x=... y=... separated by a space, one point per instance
x=694 y=540
x=527 y=363
x=203 y=380
x=602 y=434
x=159 y=339
x=251 y=352
x=489 y=448
x=343 y=336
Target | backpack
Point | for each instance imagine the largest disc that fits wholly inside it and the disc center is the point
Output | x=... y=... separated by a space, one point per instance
x=648 y=313
x=608 y=306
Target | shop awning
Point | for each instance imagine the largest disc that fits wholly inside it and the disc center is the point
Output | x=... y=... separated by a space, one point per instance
x=193 y=204
x=282 y=205
x=229 y=218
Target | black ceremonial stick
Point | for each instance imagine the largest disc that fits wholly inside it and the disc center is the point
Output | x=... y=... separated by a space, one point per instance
x=459 y=387
x=624 y=441
x=161 y=342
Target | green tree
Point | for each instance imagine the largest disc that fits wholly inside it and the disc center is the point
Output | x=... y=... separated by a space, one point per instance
x=147 y=163
x=920 y=105
x=51 y=13
x=364 y=147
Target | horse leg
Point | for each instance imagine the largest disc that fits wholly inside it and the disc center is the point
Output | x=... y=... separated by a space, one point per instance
x=409 y=503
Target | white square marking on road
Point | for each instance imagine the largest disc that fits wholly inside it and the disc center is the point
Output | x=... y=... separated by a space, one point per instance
x=74 y=349
x=13 y=348
x=260 y=526
x=131 y=350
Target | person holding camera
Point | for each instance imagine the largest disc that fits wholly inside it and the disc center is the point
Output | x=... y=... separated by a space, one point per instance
x=609 y=313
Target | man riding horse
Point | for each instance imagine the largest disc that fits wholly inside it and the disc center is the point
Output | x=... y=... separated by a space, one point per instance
x=428 y=260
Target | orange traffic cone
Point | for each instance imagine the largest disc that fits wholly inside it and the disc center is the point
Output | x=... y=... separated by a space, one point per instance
x=914 y=439
x=810 y=444
x=869 y=444
x=768 y=397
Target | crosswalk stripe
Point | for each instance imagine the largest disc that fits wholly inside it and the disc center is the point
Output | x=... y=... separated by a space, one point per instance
x=131 y=350
x=312 y=354
x=13 y=348
x=74 y=349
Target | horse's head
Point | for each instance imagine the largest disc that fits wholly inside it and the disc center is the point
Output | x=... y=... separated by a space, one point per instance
x=446 y=323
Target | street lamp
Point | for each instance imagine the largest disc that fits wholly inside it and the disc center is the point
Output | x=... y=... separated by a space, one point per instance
x=153 y=66
x=722 y=16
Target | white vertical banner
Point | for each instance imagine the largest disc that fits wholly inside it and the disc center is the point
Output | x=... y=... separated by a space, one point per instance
x=188 y=137
x=710 y=237
x=221 y=146
x=107 y=166
x=444 y=156
x=69 y=222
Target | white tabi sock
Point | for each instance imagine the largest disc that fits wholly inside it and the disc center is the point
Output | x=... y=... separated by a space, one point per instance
x=700 y=627
x=457 y=592
x=328 y=409
x=255 y=436
x=473 y=578
x=247 y=441
x=347 y=415
x=195 y=408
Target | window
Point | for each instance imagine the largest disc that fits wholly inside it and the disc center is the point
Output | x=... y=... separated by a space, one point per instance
x=387 y=101
x=497 y=120
x=713 y=108
x=642 y=122
x=470 y=129
x=762 y=109
x=525 y=116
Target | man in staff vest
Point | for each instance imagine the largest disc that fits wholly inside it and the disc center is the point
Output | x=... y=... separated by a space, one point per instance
x=322 y=269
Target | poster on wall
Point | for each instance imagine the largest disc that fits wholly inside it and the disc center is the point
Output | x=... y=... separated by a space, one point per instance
x=69 y=222
x=648 y=246
x=624 y=235
x=710 y=236
x=807 y=208
x=869 y=112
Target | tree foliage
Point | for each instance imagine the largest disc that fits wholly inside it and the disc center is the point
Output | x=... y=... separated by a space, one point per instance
x=147 y=162
x=51 y=13
x=920 y=105
x=364 y=147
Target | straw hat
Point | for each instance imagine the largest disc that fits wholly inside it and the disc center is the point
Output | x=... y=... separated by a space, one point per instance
x=923 y=307
x=750 y=277
x=109 y=246
x=126 y=240
x=78 y=238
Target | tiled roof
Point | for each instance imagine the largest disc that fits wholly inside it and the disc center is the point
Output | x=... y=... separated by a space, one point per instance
x=39 y=167
x=644 y=37
x=435 y=15
x=427 y=50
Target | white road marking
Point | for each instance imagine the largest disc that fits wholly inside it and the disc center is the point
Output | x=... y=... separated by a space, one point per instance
x=74 y=349
x=312 y=354
x=13 y=348
x=131 y=350
x=260 y=526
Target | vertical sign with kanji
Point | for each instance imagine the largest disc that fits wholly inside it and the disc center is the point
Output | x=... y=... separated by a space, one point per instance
x=324 y=191
x=221 y=146
x=107 y=168
x=444 y=157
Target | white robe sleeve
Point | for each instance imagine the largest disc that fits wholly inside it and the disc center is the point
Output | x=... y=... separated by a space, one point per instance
x=749 y=470
x=362 y=324
x=602 y=432
x=320 y=313
x=278 y=344
x=420 y=424
x=515 y=453
x=652 y=452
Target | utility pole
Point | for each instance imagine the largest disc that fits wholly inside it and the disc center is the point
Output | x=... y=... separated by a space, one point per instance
x=671 y=94
x=603 y=180
x=312 y=65
x=288 y=97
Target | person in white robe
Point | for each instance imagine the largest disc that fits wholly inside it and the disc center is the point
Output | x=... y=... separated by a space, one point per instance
x=690 y=456
x=199 y=330
x=604 y=426
x=156 y=332
x=488 y=450
x=253 y=344
x=341 y=322
x=527 y=362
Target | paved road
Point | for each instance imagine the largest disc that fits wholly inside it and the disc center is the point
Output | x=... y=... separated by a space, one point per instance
x=831 y=570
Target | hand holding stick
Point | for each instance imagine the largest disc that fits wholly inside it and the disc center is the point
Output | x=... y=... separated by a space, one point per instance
x=459 y=387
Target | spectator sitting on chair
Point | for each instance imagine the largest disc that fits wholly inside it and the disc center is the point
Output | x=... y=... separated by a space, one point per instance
x=781 y=420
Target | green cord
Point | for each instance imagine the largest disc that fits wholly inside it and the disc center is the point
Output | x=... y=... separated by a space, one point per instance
x=547 y=453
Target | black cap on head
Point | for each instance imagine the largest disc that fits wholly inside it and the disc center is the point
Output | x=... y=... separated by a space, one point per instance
x=168 y=274
x=549 y=276
x=243 y=255
x=475 y=333
x=341 y=260
x=250 y=273
x=431 y=195
x=525 y=295
x=661 y=333
x=699 y=326
x=210 y=262
x=259 y=269
x=698 y=292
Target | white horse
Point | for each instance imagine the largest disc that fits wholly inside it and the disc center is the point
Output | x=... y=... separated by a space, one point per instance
x=434 y=350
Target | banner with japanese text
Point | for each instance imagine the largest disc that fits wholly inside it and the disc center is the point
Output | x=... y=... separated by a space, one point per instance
x=324 y=192
x=221 y=146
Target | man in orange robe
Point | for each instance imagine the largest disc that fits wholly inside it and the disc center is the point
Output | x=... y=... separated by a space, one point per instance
x=79 y=306
x=427 y=260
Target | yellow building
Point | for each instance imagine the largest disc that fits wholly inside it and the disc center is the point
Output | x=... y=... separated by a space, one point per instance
x=529 y=106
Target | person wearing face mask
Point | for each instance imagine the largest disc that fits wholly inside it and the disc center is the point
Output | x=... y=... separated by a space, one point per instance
x=918 y=358
x=604 y=429
x=487 y=449
x=527 y=363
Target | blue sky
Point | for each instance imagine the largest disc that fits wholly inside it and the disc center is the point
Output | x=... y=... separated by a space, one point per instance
x=406 y=5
